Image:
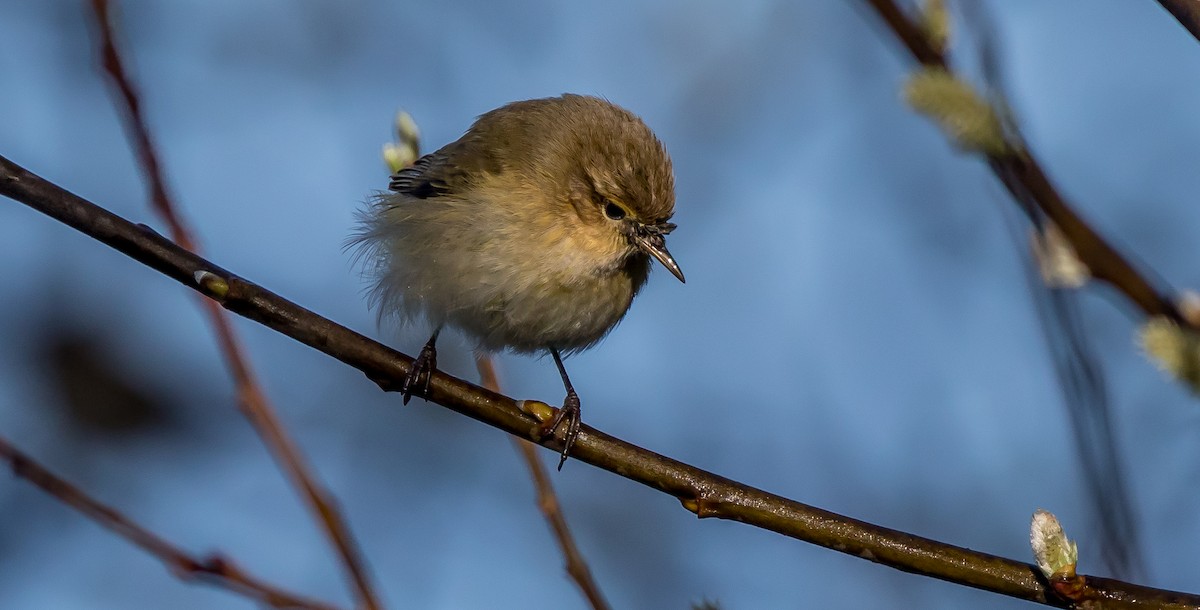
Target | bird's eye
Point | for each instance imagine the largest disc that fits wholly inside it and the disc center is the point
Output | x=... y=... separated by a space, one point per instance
x=614 y=211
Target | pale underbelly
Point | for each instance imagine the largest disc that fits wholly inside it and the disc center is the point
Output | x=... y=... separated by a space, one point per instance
x=568 y=318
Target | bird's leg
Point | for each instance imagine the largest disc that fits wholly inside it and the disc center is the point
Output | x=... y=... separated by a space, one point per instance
x=569 y=412
x=422 y=367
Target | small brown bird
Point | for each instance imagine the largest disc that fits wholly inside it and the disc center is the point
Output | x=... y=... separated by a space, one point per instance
x=533 y=231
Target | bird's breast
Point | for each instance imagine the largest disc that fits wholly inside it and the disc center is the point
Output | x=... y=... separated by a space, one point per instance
x=509 y=280
x=545 y=308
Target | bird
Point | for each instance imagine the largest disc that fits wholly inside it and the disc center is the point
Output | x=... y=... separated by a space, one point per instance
x=532 y=233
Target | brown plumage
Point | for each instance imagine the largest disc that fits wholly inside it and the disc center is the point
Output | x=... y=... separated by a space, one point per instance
x=531 y=232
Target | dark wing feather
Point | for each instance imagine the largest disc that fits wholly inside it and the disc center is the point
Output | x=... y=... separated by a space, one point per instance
x=446 y=171
x=421 y=179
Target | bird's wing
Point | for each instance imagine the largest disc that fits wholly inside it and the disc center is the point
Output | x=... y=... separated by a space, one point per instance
x=445 y=171
x=423 y=179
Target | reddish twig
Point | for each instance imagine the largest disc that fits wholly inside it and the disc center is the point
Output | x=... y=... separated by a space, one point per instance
x=136 y=126
x=213 y=569
x=547 y=501
x=251 y=399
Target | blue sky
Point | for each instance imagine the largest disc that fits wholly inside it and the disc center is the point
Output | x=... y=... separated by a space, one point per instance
x=856 y=332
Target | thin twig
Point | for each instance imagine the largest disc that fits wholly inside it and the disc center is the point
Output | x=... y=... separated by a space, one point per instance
x=213 y=569
x=702 y=492
x=1186 y=12
x=547 y=500
x=1023 y=176
x=251 y=399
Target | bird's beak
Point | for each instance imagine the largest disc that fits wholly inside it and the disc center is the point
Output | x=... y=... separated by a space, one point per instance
x=655 y=245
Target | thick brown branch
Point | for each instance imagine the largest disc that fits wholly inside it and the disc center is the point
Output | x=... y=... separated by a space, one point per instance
x=547 y=500
x=1024 y=178
x=704 y=493
x=213 y=569
x=1187 y=12
x=251 y=399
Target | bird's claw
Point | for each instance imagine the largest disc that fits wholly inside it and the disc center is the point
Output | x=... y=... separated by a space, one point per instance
x=420 y=374
x=570 y=413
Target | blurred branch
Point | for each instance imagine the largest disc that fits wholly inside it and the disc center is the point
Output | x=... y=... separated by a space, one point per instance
x=703 y=493
x=1022 y=175
x=1079 y=371
x=984 y=123
x=1187 y=12
x=213 y=569
x=252 y=400
x=547 y=500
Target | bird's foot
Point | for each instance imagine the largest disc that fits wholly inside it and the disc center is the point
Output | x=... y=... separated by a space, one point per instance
x=421 y=372
x=569 y=413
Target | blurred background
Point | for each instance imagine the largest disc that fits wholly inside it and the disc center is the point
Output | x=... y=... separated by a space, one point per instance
x=857 y=331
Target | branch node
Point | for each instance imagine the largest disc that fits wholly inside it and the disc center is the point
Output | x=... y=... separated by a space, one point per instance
x=1056 y=554
x=961 y=112
x=536 y=409
x=1173 y=348
x=1056 y=258
x=700 y=506
x=1070 y=587
x=935 y=24
x=405 y=150
x=1188 y=304
x=212 y=285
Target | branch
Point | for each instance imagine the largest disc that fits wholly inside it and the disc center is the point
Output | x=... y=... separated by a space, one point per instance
x=213 y=569
x=252 y=400
x=703 y=493
x=547 y=500
x=1186 y=12
x=1021 y=174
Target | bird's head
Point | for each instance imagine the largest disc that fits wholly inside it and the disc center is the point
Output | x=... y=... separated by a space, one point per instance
x=622 y=184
